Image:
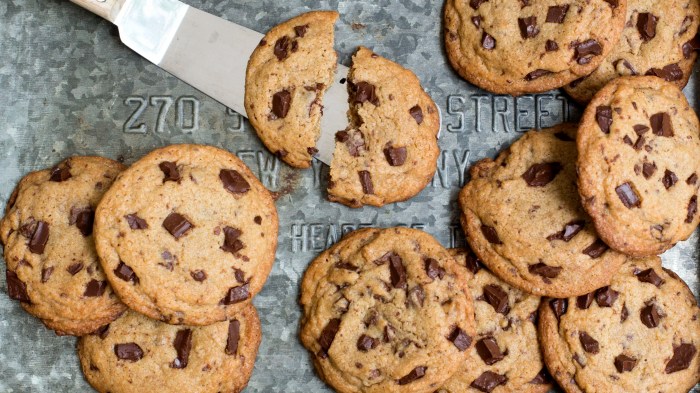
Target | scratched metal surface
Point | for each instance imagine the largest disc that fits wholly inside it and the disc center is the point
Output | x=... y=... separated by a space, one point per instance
x=67 y=86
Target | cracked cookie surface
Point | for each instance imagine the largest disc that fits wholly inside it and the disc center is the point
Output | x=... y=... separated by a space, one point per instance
x=639 y=162
x=137 y=354
x=640 y=334
x=523 y=217
x=49 y=248
x=187 y=234
x=286 y=77
x=520 y=46
x=386 y=310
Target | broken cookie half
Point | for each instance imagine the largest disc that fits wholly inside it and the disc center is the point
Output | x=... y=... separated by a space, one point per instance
x=389 y=152
x=286 y=77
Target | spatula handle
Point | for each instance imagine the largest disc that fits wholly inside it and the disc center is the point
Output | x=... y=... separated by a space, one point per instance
x=107 y=9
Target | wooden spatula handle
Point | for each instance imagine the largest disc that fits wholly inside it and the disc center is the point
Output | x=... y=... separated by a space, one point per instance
x=107 y=9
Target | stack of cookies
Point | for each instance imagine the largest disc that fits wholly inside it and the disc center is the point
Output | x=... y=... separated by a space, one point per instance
x=153 y=266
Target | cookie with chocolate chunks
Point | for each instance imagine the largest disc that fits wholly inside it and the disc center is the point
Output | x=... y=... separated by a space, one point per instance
x=389 y=153
x=639 y=162
x=387 y=310
x=658 y=39
x=506 y=352
x=136 y=354
x=52 y=267
x=644 y=339
x=517 y=47
x=287 y=75
x=188 y=251
x=523 y=217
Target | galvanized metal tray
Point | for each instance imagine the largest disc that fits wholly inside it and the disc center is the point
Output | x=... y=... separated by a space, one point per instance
x=68 y=86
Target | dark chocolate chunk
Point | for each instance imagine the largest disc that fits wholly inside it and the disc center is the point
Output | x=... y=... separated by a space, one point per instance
x=669 y=179
x=650 y=276
x=528 y=27
x=355 y=142
x=102 y=331
x=585 y=301
x=301 y=30
x=366 y=181
x=460 y=339
x=177 y=225
x=648 y=169
x=239 y=274
x=395 y=156
x=346 y=266
x=476 y=20
x=416 y=296
x=488 y=381
x=281 y=49
x=487 y=41
x=603 y=116
x=183 y=346
x=233 y=181
x=75 y=268
x=596 y=249
x=682 y=356
x=625 y=313
x=690 y=46
x=60 y=173
x=661 y=124
x=280 y=103
x=497 y=298
x=82 y=218
x=551 y=46
x=628 y=140
x=488 y=350
x=640 y=129
x=559 y=307
x=639 y=143
x=365 y=343
x=129 y=351
x=692 y=180
x=232 y=241
x=588 y=343
x=692 y=209
x=624 y=363
x=234 y=335
x=95 y=288
x=584 y=51
x=46 y=273
x=328 y=334
x=433 y=269
x=570 y=230
x=39 y=238
x=627 y=65
x=646 y=25
x=606 y=296
x=312 y=151
x=490 y=234
x=650 y=316
x=538 y=73
x=473 y=264
x=670 y=73
x=365 y=92
x=397 y=271
x=16 y=289
x=125 y=272
x=198 y=275
x=557 y=13
x=476 y=3
x=542 y=269
x=417 y=113
x=236 y=295
x=415 y=374
x=628 y=195
x=170 y=171
x=542 y=378
x=136 y=222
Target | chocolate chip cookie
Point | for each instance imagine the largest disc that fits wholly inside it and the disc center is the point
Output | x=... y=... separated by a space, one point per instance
x=187 y=235
x=49 y=251
x=520 y=46
x=640 y=334
x=523 y=218
x=386 y=310
x=639 y=162
x=286 y=77
x=389 y=153
x=506 y=354
x=658 y=39
x=138 y=354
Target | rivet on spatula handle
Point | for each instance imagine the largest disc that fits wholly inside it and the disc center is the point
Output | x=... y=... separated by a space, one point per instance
x=107 y=9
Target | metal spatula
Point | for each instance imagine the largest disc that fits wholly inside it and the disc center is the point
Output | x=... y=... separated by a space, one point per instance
x=207 y=52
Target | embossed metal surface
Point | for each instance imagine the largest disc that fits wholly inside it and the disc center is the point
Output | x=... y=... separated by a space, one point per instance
x=68 y=86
